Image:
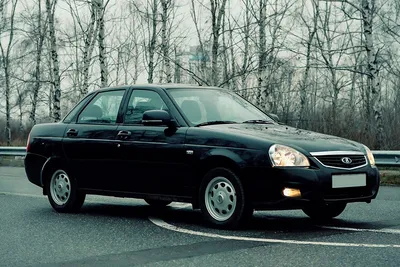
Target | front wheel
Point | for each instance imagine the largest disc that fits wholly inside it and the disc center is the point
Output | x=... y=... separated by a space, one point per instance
x=63 y=194
x=324 y=212
x=222 y=199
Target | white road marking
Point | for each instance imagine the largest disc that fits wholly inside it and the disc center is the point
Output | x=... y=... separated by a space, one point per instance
x=383 y=230
x=163 y=224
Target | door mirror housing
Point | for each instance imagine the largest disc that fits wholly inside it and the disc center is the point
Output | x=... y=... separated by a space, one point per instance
x=157 y=118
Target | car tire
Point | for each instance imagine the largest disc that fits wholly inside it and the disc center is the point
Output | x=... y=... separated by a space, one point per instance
x=222 y=199
x=63 y=193
x=324 y=212
x=157 y=203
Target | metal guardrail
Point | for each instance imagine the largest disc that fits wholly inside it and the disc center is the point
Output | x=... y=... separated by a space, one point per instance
x=17 y=151
x=388 y=158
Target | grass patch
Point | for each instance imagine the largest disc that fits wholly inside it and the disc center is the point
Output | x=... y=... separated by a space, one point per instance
x=12 y=161
x=390 y=177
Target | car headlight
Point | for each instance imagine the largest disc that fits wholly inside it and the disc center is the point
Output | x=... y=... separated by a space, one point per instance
x=284 y=156
x=370 y=156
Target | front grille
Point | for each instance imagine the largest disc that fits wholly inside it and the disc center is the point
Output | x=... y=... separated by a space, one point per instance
x=335 y=161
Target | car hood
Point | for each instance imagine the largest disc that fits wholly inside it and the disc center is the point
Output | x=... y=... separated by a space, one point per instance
x=298 y=138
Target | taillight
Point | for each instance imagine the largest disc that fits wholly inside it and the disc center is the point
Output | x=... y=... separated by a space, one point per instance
x=28 y=143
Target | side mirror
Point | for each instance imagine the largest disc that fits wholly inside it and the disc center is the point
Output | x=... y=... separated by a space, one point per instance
x=157 y=118
x=274 y=117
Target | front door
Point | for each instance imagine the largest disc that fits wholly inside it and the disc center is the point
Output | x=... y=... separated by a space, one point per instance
x=153 y=156
x=90 y=142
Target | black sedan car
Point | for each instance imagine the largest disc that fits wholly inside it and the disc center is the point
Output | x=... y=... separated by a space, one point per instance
x=203 y=145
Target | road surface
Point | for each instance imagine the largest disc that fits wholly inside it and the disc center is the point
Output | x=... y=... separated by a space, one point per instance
x=127 y=232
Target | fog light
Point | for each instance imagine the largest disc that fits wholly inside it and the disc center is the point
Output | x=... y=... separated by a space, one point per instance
x=291 y=192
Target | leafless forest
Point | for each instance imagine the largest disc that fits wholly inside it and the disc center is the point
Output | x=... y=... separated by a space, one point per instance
x=326 y=65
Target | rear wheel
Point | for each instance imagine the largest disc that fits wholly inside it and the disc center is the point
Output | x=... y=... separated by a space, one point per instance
x=222 y=199
x=158 y=203
x=325 y=211
x=62 y=192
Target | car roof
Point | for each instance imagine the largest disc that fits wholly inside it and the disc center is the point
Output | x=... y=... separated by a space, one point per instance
x=162 y=86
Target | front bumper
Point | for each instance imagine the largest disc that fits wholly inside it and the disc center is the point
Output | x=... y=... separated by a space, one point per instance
x=315 y=185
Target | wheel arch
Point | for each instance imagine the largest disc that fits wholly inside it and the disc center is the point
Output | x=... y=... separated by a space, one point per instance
x=50 y=165
x=215 y=158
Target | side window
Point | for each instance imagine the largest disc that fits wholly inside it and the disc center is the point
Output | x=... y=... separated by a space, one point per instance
x=141 y=101
x=103 y=108
x=75 y=109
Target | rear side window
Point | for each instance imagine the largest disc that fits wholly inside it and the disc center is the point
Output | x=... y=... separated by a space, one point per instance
x=75 y=109
x=141 y=101
x=103 y=108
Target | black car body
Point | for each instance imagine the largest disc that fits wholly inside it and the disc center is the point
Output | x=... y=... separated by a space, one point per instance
x=154 y=142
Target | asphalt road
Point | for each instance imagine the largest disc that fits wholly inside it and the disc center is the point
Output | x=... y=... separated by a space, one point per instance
x=126 y=232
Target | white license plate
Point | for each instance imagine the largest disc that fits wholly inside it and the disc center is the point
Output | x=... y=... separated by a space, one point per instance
x=349 y=180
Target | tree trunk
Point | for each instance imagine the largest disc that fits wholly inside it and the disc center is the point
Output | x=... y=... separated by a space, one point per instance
x=39 y=49
x=233 y=62
x=303 y=86
x=216 y=18
x=204 y=53
x=166 y=4
x=90 y=39
x=177 y=75
x=152 y=44
x=102 y=48
x=5 y=61
x=54 y=56
x=262 y=55
x=246 y=31
x=368 y=7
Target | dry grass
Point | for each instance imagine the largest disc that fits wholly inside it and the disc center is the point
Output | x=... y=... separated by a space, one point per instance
x=390 y=177
x=12 y=161
x=17 y=142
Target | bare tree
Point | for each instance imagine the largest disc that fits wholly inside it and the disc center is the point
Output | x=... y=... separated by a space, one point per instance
x=217 y=13
x=40 y=33
x=367 y=11
x=153 y=40
x=88 y=33
x=5 y=49
x=367 y=8
x=312 y=29
x=202 y=49
x=100 y=8
x=166 y=5
x=262 y=53
x=50 y=9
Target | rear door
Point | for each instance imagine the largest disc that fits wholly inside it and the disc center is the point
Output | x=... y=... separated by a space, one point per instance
x=153 y=158
x=90 y=141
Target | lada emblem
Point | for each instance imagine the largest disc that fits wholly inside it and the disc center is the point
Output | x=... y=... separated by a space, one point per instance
x=347 y=160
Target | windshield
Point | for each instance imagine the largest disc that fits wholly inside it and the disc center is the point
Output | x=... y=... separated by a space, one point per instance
x=202 y=106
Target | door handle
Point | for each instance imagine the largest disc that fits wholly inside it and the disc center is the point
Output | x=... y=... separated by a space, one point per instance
x=72 y=132
x=124 y=134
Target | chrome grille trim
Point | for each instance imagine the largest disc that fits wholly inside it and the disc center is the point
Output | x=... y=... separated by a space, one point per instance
x=336 y=153
x=340 y=153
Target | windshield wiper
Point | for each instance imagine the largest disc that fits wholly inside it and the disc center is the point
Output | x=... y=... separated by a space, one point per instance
x=214 y=122
x=259 y=122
